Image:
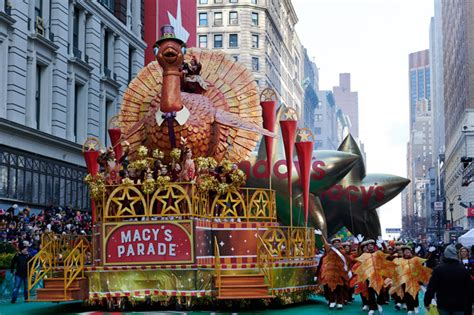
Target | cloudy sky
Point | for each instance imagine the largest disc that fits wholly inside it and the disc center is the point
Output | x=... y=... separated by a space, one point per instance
x=370 y=39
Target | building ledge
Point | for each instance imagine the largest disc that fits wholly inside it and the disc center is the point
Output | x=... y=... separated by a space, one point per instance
x=80 y=63
x=8 y=126
x=112 y=82
x=6 y=19
x=43 y=41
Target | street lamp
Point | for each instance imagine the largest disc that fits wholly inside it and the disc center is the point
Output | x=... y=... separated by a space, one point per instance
x=451 y=208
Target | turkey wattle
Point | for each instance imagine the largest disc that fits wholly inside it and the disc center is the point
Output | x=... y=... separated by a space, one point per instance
x=224 y=122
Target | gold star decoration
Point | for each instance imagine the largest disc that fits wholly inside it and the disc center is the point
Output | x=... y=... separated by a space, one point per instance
x=276 y=242
x=175 y=198
x=304 y=134
x=260 y=202
x=126 y=202
x=230 y=204
x=289 y=114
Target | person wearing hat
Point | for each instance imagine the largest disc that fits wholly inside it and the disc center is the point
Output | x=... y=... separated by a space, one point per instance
x=452 y=285
x=335 y=273
x=373 y=300
x=407 y=284
x=19 y=264
x=348 y=290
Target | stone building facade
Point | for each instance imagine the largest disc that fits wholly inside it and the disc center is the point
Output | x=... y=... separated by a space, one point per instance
x=260 y=34
x=64 y=66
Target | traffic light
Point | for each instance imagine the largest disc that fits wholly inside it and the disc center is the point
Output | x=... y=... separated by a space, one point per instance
x=465 y=160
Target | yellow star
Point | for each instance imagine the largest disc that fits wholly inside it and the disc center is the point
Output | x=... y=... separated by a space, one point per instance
x=176 y=199
x=261 y=203
x=230 y=205
x=277 y=240
x=304 y=135
x=290 y=114
x=91 y=146
x=127 y=206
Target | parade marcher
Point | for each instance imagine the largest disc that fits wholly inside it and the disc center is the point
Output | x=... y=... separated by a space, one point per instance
x=410 y=272
x=452 y=285
x=371 y=271
x=348 y=290
x=466 y=260
x=335 y=273
x=19 y=264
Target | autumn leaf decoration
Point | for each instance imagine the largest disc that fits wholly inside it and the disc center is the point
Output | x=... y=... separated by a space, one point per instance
x=332 y=271
x=410 y=272
x=375 y=268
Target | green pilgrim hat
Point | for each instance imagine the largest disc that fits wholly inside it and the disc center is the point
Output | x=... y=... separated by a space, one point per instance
x=167 y=33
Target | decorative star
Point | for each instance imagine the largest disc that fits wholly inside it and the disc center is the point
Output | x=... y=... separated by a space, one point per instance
x=175 y=199
x=304 y=134
x=289 y=114
x=91 y=146
x=353 y=201
x=126 y=202
x=261 y=203
x=230 y=204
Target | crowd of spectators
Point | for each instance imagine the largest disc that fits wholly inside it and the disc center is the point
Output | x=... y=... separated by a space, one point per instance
x=22 y=226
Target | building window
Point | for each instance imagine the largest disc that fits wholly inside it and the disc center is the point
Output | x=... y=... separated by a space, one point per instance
x=254 y=19
x=218 y=41
x=233 y=41
x=255 y=65
x=217 y=1
x=75 y=32
x=202 y=1
x=317 y=131
x=202 y=41
x=254 y=2
x=218 y=19
x=319 y=117
x=38 y=8
x=236 y=57
x=233 y=18
x=233 y=1
x=106 y=54
x=77 y=99
x=39 y=74
x=131 y=55
x=109 y=113
x=202 y=19
x=254 y=41
x=41 y=181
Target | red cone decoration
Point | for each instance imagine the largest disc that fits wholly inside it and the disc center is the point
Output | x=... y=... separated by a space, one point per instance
x=288 y=131
x=91 y=161
x=304 y=150
x=115 y=135
x=268 y=114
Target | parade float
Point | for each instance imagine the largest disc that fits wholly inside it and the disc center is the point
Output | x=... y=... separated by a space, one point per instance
x=185 y=213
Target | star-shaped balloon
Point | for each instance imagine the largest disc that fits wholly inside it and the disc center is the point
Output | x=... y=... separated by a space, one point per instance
x=353 y=201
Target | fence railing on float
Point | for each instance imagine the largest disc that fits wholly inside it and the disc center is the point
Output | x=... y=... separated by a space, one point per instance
x=287 y=243
x=74 y=265
x=40 y=266
x=217 y=267
x=184 y=200
x=69 y=252
x=265 y=262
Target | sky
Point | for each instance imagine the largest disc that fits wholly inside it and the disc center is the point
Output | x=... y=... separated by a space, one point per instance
x=370 y=39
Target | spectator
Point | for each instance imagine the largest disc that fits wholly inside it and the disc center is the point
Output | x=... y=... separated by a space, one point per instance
x=467 y=262
x=452 y=285
x=20 y=264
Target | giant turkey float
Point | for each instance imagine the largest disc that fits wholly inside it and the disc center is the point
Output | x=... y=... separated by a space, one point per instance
x=184 y=212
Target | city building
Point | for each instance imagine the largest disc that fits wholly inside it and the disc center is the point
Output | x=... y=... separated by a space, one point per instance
x=260 y=34
x=348 y=101
x=419 y=80
x=181 y=14
x=437 y=109
x=331 y=124
x=64 y=66
x=417 y=201
x=311 y=100
x=458 y=69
